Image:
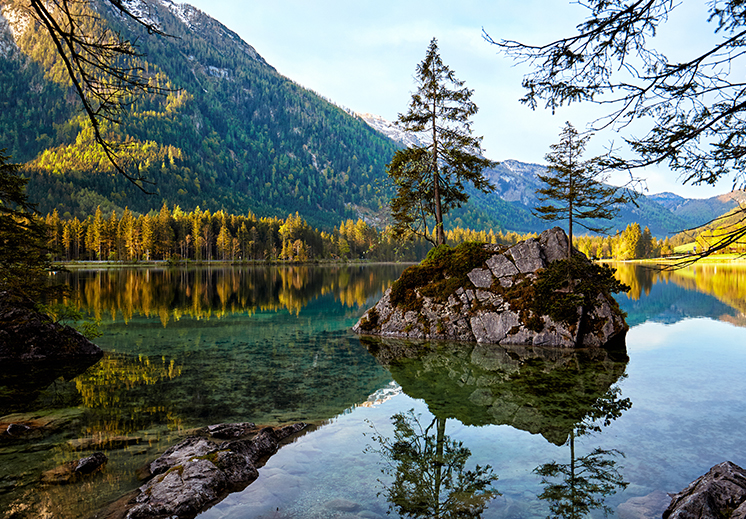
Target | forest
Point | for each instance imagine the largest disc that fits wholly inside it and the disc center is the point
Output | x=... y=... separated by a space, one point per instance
x=174 y=235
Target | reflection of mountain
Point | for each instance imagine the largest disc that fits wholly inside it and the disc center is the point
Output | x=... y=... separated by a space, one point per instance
x=712 y=291
x=205 y=292
x=543 y=391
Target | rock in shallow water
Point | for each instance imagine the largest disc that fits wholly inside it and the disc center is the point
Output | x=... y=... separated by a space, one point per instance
x=197 y=472
x=493 y=304
x=74 y=470
x=719 y=493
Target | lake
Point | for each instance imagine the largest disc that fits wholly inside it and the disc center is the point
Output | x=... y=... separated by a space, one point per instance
x=190 y=347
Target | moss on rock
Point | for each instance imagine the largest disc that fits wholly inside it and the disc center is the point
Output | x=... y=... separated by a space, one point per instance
x=440 y=274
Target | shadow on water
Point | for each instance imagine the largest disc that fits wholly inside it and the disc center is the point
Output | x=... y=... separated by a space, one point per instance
x=560 y=394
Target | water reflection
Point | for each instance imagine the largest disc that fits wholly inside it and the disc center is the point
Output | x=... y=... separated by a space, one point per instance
x=574 y=489
x=560 y=394
x=429 y=474
x=716 y=291
x=204 y=292
x=539 y=390
x=185 y=348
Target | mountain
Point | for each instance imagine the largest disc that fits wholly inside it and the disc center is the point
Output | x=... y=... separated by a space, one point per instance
x=515 y=196
x=233 y=134
x=700 y=211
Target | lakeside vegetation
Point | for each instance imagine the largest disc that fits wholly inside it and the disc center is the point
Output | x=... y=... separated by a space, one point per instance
x=173 y=234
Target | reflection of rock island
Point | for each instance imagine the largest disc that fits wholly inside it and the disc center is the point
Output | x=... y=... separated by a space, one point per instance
x=542 y=391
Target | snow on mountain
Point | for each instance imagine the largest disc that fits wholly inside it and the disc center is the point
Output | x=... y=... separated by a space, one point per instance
x=393 y=132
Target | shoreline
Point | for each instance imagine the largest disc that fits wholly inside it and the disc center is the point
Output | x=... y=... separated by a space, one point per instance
x=218 y=263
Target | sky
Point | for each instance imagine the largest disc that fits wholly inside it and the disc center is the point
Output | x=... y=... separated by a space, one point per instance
x=362 y=55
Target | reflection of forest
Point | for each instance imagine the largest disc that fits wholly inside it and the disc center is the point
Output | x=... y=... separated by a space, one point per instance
x=725 y=282
x=542 y=391
x=109 y=391
x=206 y=292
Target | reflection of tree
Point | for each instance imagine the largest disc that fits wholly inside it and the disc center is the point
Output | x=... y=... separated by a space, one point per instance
x=206 y=292
x=640 y=278
x=727 y=283
x=429 y=473
x=583 y=484
x=109 y=390
x=724 y=282
x=586 y=480
x=560 y=394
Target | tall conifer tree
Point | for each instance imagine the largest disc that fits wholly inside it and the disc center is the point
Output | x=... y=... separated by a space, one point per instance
x=24 y=251
x=575 y=187
x=431 y=178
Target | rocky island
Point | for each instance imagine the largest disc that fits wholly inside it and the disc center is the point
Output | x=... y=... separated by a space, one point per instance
x=528 y=294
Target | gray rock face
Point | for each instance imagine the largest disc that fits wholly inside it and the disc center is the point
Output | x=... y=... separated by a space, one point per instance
x=719 y=493
x=481 y=311
x=27 y=335
x=196 y=473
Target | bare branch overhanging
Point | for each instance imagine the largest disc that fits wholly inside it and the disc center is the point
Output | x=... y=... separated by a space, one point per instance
x=101 y=65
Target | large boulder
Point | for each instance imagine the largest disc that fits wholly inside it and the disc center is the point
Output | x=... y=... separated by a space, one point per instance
x=719 y=493
x=198 y=472
x=493 y=302
x=28 y=335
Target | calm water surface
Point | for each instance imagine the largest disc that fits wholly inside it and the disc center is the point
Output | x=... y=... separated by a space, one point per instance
x=190 y=347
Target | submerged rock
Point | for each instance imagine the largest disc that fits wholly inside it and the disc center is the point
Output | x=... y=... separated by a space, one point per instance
x=198 y=472
x=719 y=493
x=74 y=470
x=488 y=295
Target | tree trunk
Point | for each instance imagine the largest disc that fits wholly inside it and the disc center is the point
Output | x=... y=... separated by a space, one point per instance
x=440 y=238
x=440 y=441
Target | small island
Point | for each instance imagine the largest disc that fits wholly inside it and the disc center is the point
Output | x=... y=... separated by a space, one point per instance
x=530 y=293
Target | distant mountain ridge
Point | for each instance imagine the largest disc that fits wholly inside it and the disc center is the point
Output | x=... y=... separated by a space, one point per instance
x=517 y=182
x=234 y=135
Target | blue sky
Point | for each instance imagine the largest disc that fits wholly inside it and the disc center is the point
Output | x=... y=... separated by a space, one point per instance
x=362 y=55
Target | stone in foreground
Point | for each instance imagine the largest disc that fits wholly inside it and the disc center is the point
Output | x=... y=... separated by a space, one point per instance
x=489 y=304
x=198 y=472
x=27 y=335
x=719 y=493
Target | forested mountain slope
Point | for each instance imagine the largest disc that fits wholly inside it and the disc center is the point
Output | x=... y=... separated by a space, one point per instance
x=233 y=135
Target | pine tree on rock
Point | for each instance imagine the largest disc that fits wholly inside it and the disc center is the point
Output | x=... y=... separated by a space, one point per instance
x=431 y=178
x=575 y=188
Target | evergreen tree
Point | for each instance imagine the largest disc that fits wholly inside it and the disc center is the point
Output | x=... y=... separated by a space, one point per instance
x=575 y=187
x=431 y=179
x=24 y=260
